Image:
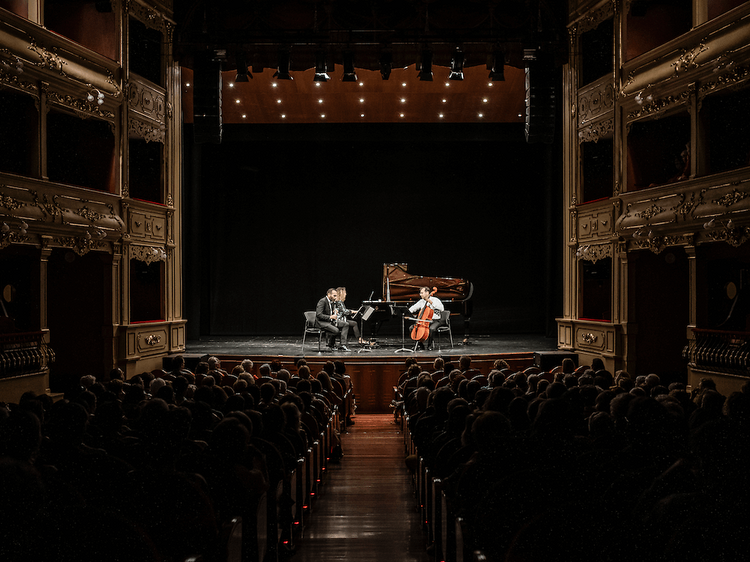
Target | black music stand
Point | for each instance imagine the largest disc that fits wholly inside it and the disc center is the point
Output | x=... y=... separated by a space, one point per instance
x=366 y=313
x=403 y=311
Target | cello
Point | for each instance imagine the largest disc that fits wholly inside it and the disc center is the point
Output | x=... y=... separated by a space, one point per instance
x=421 y=330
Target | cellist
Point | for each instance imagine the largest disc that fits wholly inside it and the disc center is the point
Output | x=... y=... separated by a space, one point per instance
x=439 y=314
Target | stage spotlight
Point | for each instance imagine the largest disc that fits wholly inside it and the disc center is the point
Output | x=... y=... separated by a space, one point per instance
x=321 y=67
x=242 y=72
x=349 y=74
x=282 y=71
x=497 y=71
x=425 y=72
x=386 y=64
x=457 y=65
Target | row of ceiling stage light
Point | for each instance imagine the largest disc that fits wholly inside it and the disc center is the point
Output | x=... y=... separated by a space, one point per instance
x=497 y=72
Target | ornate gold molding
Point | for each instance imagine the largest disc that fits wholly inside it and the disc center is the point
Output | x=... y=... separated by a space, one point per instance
x=80 y=245
x=732 y=198
x=146 y=101
x=48 y=59
x=596 y=131
x=659 y=105
x=10 y=203
x=148 y=17
x=686 y=61
x=650 y=212
x=10 y=237
x=686 y=205
x=596 y=101
x=658 y=244
x=732 y=236
x=80 y=106
x=48 y=205
x=150 y=132
x=594 y=252
x=593 y=19
x=147 y=254
x=13 y=79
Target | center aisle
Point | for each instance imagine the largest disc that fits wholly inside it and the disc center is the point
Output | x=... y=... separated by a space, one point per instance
x=366 y=507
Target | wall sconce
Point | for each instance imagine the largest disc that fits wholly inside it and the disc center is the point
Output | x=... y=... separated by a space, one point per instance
x=644 y=96
x=713 y=223
x=643 y=233
x=95 y=95
x=97 y=233
x=11 y=64
x=23 y=228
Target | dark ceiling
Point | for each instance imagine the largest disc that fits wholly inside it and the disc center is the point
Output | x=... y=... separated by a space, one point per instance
x=232 y=34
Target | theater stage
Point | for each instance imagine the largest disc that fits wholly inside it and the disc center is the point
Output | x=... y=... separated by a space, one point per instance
x=374 y=370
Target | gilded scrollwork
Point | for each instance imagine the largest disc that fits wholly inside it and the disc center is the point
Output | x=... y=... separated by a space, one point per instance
x=594 y=18
x=147 y=16
x=80 y=245
x=657 y=244
x=14 y=81
x=10 y=203
x=146 y=100
x=88 y=214
x=49 y=60
x=732 y=198
x=147 y=131
x=594 y=252
x=48 y=205
x=81 y=106
x=729 y=76
x=589 y=338
x=147 y=254
x=686 y=61
x=8 y=238
x=659 y=105
x=685 y=206
x=732 y=236
x=594 y=102
x=650 y=212
x=596 y=131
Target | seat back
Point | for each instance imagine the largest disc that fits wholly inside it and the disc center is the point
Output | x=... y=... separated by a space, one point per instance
x=310 y=320
x=447 y=326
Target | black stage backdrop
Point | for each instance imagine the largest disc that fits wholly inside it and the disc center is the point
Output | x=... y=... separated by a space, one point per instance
x=277 y=214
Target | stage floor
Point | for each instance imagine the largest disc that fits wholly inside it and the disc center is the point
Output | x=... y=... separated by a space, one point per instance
x=389 y=346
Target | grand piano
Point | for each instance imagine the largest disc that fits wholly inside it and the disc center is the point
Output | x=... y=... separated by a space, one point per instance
x=401 y=288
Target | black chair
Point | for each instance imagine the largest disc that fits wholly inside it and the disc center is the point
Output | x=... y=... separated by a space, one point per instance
x=311 y=327
x=445 y=328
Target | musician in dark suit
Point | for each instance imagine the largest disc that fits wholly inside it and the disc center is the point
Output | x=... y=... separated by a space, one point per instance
x=329 y=321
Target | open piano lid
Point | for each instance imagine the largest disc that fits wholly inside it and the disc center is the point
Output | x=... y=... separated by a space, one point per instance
x=400 y=285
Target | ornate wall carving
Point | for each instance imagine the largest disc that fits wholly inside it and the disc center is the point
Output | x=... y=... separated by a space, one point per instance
x=596 y=100
x=596 y=131
x=594 y=252
x=150 y=132
x=148 y=254
x=61 y=208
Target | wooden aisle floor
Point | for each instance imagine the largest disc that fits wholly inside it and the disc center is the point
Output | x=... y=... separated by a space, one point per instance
x=366 y=510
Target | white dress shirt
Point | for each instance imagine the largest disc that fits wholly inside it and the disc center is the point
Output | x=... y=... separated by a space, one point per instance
x=435 y=305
